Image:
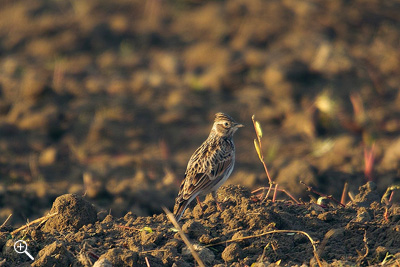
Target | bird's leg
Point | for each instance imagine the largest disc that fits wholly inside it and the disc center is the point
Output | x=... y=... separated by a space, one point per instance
x=214 y=194
x=198 y=201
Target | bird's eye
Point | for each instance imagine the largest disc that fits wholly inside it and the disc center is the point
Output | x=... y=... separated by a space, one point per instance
x=226 y=124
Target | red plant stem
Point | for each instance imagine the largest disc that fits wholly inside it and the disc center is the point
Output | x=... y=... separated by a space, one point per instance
x=309 y=188
x=385 y=214
x=281 y=190
x=93 y=255
x=274 y=197
x=128 y=228
x=391 y=195
x=369 y=158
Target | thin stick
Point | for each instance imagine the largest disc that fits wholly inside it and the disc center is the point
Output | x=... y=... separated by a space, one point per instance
x=366 y=248
x=5 y=222
x=184 y=238
x=154 y=250
x=322 y=245
x=44 y=218
x=147 y=262
x=351 y=195
x=309 y=188
x=344 y=193
x=281 y=190
x=128 y=228
x=273 y=232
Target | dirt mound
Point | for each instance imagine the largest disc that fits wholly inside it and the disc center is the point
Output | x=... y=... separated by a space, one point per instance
x=72 y=212
x=237 y=236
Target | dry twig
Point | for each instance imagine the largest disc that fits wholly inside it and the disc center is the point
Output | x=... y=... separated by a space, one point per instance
x=147 y=262
x=5 y=222
x=363 y=256
x=184 y=238
x=273 y=232
x=128 y=228
x=153 y=250
x=40 y=220
x=344 y=193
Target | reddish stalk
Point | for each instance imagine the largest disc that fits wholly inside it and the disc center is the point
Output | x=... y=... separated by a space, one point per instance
x=275 y=190
x=391 y=195
x=309 y=188
x=280 y=190
x=369 y=158
x=93 y=255
x=386 y=214
x=358 y=108
x=128 y=228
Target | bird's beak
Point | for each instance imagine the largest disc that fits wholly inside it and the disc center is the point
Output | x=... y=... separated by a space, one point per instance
x=239 y=125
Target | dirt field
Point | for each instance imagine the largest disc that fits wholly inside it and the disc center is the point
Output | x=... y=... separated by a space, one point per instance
x=102 y=104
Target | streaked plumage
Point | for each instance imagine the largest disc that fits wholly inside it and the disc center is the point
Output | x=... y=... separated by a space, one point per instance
x=210 y=165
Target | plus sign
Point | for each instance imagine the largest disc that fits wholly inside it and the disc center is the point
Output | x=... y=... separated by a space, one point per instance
x=20 y=246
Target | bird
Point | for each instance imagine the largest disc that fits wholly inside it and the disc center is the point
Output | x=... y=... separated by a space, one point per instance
x=210 y=165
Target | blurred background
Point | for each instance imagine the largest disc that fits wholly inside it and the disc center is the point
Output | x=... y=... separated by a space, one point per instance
x=110 y=98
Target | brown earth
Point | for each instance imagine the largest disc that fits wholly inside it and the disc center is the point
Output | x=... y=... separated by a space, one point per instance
x=108 y=100
x=359 y=233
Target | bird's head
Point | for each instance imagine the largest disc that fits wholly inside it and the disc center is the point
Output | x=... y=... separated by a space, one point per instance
x=224 y=125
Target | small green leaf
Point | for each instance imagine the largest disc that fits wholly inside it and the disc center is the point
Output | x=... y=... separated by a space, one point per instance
x=147 y=229
x=258 y=149
x=258 y=129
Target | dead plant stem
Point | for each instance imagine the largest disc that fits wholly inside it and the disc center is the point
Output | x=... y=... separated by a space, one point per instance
x=184 y=238
x=5 y=222
x=273 y=232
x=344 y=193
x=44 y=218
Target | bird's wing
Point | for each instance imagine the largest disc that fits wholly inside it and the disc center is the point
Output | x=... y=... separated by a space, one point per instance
x=202 y=176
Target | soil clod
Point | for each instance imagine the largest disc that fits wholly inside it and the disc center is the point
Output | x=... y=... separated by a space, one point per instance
x=73 y=213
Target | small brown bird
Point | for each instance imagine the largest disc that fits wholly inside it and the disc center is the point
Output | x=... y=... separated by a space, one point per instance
x=210 y=165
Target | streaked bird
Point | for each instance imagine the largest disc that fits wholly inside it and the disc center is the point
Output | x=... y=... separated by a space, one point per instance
x=210 y=165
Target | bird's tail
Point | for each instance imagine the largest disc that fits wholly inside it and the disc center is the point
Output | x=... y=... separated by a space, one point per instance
x=179 y=208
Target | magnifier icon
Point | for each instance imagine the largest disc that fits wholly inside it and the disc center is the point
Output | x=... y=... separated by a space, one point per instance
x=20 y=247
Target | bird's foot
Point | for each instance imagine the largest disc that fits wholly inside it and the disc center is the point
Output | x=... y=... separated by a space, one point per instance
x=219 y=207
x=199 y=202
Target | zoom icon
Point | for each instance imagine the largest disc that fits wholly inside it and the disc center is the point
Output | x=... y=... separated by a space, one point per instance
x=20 y=247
